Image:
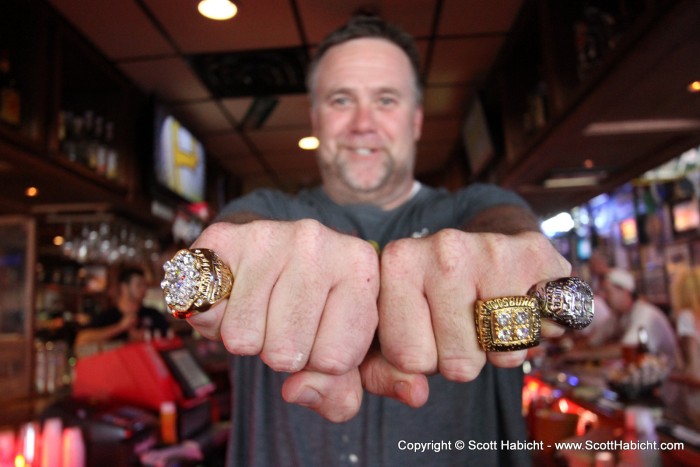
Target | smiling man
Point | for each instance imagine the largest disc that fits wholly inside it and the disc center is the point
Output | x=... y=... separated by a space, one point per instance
x=343 y=356
x=367 y=117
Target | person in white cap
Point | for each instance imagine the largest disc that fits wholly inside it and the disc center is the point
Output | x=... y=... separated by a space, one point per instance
x=636 y=314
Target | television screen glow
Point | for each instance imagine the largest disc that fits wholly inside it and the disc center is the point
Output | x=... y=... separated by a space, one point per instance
x=584 y=249
x=179 y=158
x=686 y=216
x=628 y=230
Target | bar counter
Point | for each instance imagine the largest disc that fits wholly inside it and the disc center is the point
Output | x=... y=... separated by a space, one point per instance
x=575 y=403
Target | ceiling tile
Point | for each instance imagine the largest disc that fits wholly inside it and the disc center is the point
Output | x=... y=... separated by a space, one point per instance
x=322 y=16
x=202 y=117
x=463 y=17
x=157 y=76
x=300 y=160
x=291 y=111
x=277 y=140
x=237 y=107
x=258 y=25
x=227 y=147
x=446 y=101
x=463 y=61
x=244 y=166
x=105 y=23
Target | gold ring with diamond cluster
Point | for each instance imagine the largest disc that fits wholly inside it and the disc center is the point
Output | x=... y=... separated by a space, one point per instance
x=195 y=280
x=513 y=323
x=508 y=323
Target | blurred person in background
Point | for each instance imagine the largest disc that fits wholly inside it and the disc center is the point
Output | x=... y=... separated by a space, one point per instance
x=605 y=327
x=685 y=299
x=637 y=315
x=634 y=318
x=129 y=319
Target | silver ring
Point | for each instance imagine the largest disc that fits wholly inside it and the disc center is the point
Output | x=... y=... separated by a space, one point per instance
x=567 y=301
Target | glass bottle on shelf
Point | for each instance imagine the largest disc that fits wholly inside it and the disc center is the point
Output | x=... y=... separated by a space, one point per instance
x=93 y=144
x=112 y=155
x=10 y=98
x=76 y=137
x=85 y=139
x=66 y=135
x=101 y=147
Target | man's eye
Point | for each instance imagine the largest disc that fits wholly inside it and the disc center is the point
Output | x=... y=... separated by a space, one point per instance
x=340 y=101
x=387 y=101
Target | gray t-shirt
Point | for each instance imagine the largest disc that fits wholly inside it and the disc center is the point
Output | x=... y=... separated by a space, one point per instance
x=266 y=431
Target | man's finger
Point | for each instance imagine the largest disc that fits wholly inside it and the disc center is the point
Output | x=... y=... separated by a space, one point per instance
x=335 y=397
x=383 y=379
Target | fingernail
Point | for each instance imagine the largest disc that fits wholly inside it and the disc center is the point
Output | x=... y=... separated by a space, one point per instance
x=308 y=397
x=403 y=391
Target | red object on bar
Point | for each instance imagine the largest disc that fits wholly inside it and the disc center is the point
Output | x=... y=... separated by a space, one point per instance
x=133 y=373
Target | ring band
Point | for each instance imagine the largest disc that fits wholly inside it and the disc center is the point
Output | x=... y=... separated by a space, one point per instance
x=508 y=323
x=195 y=280
x=567 y=301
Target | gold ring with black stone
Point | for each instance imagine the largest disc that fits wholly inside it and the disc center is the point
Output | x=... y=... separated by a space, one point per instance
x=508 y=323
x=567 y=301
x=195 y=280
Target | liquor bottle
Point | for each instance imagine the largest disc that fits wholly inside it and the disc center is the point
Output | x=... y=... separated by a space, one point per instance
x=85 y=145
x=10 y=99
x=67 y=135
x=77 y=136
x=101 y=148
x=112 y=154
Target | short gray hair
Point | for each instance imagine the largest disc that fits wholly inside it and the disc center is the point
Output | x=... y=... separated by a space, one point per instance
x=368 y=26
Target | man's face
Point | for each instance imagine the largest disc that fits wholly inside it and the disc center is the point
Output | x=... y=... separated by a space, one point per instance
x=366 y=115
x=617 y=298
x=136 y=289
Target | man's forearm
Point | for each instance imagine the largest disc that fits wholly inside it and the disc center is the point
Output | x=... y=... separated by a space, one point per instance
x=506 y=219
x=240 y=217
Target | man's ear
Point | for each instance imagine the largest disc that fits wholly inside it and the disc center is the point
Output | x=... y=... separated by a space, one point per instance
x=418 y=123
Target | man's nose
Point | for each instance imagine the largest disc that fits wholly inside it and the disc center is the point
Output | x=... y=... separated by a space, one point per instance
x=364 y=119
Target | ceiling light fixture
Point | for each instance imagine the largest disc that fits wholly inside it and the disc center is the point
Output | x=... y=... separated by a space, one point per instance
x=217 y=9
x=694 y=86
x=308 y=143
x=623 y=127
x=31 y=192
x=572 y=182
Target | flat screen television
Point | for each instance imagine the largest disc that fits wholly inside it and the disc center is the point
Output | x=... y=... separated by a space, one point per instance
x=179 y=158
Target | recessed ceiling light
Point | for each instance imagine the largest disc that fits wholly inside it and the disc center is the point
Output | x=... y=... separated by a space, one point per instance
x=31 y=192
x=694 y=86
x=309 y=143
x=217 y=9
